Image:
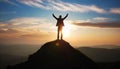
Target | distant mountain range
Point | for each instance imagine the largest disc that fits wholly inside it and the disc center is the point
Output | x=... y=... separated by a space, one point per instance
x=102 y=54
x=106 y=46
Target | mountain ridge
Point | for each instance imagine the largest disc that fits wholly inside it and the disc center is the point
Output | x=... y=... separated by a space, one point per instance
x=57 y=54
x=101 y=54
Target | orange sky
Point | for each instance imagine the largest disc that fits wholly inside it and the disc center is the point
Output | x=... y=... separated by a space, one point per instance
x=37 y=31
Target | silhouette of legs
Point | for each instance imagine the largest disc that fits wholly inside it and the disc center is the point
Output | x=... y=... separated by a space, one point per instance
x=59 y=33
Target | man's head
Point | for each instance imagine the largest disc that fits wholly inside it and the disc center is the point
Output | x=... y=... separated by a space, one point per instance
x=60 y=16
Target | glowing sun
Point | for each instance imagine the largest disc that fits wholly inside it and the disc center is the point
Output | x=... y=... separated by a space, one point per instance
x=67 y=30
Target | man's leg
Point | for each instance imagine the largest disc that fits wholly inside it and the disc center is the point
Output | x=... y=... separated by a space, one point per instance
x=61 y=33
x=58 y=34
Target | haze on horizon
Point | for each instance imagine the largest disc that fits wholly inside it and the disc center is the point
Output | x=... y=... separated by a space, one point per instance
x=89 y=22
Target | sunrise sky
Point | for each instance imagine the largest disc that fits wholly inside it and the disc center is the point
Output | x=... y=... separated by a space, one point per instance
x=90 y=22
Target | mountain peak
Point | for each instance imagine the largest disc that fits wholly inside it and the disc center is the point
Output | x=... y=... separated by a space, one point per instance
x=57 y=54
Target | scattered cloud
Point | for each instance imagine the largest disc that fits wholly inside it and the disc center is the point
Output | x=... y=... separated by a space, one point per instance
x=37 y=35
x=64 y=6
x=9 y=2
x=31 y=35
x=26 y=22
x=2 y=24
x=8 y=31
x=101 y=19
x=58 y=5
x=115 y=10
x=34 y=3
x=101 y=25
x=26 y=30
x=26 y=25
x=93 y=20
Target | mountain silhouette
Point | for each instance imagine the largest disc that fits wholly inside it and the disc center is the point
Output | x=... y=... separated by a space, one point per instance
x=57 y=54
x=102 y=54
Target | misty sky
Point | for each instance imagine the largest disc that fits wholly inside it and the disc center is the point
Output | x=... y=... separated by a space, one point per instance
x=90 y=22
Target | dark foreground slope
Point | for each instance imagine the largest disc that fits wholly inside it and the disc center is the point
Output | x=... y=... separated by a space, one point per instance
x=57 y=54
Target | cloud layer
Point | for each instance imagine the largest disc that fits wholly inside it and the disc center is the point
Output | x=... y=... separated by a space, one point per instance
x=8 y=31
x=25 y=25
x=115 y=10
x=59 y=5
x=25 y=22
x=62 y=6
x=9 y=2
x=25 y=30
x=101 y=25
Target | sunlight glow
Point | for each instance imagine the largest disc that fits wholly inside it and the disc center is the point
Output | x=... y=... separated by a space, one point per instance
x=57 y=44
x=67 y=29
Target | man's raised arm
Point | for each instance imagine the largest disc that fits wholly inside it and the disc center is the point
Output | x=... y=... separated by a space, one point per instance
x=66 y=16
x=54 y=16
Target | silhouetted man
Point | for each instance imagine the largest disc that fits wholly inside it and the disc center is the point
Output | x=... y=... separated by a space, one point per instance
x=60 y=25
